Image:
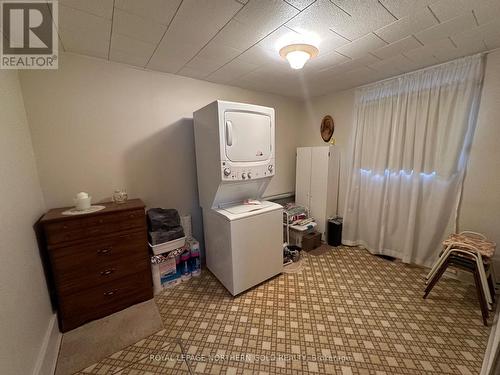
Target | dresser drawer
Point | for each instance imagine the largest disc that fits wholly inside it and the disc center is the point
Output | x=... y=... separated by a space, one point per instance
x=107 y=298
x=79 y=228
x=99 y=251
x=84 y=266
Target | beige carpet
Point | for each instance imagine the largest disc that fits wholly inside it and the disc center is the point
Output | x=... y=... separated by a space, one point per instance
x=101 y=338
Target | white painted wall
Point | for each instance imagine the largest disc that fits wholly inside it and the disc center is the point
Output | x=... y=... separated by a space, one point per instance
x=340 y=106
x=480 y=208
x=25 y=311
x=98 y=125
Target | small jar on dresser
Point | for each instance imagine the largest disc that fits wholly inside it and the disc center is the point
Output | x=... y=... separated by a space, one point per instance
x=99 y=261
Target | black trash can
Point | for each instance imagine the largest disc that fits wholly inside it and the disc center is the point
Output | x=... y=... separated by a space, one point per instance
x=334 y=231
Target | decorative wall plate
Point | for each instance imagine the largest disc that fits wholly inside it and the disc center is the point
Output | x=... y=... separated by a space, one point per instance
x=327 y=128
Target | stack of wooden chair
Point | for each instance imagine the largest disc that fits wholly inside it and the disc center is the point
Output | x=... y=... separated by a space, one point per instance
x=473 y=252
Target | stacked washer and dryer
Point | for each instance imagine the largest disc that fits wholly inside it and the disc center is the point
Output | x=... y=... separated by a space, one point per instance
x=235 y=157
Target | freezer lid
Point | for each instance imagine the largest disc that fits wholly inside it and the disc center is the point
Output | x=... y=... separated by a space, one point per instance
x=247 y=136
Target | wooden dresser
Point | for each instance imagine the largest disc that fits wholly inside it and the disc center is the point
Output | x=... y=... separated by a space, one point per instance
x=100 y=261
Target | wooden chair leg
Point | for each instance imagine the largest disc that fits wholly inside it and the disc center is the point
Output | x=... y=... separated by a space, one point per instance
x=482 y=300
x=436 y=277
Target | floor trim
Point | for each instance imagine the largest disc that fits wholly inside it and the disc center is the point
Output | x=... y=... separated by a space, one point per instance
x=49 y=351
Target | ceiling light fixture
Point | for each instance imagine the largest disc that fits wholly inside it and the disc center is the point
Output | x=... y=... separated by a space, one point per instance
x=298 y=54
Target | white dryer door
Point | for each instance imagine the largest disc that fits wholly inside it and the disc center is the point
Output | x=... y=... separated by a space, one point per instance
x=247 y=136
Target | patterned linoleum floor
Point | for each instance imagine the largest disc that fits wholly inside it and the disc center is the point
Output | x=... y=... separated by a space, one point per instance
x=346 y=312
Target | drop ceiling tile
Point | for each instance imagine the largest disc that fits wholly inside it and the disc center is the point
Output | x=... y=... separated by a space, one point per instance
x=274 y=70
x=331 y=42
x=442 y=49
x=231 y=71
x=137 y=27
x=366 y=16
x=357 y=77
x=445 y=29
x=173 y=58
x=365 y=60
x=406 y=26
x=396 y=48
x=74 y=19
x=281 y=37
x=94 y=44
x=394 y=65
x=487 y=11
x=342 y=68
x=422 y=55
x=364 y=8
x=193 y=73
x=202 y=65
x=361 y=46
x=195 y=24
x=318 y=19
x=300 y=4
x=160 y=11
x=447 y=9
x=100 y=8
x=218 y=53
x=84 y=33
x=258 y=55
x=349 y=65
x=125 y=58
x=238 y=35
x=132 y=46
x=266 y=15
x=325 y=61
x=403 y=8
x=477 y=35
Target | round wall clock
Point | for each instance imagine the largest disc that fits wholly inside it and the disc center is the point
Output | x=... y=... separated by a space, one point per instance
x=327 y=128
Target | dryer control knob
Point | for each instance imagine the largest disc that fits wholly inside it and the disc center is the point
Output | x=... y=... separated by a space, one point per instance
x=227 y=171
x=249 y=175
x=243 y=175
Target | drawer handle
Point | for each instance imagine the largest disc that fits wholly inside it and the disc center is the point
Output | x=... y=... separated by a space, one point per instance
x=103 y=251
x=131 y=216
x=107 y=272
x=110 y=293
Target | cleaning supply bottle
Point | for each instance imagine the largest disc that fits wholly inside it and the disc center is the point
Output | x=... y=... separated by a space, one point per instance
x=185 y=269
x=195 y=258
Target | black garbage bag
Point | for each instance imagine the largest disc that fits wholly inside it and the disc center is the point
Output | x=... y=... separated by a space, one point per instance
x=163 y=219
x=164 y=225
x=161 y=236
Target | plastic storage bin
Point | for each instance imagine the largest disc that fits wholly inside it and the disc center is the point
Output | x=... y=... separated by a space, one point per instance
x=168 y=246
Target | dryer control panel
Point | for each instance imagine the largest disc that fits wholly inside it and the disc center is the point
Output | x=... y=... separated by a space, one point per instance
x=230 y=172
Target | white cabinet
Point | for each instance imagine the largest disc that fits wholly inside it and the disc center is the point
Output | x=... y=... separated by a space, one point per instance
x=316 y=184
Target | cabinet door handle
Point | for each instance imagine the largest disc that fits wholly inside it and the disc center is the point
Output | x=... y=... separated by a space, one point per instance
x=103 y=251
x=107 y=272
x=110 y=293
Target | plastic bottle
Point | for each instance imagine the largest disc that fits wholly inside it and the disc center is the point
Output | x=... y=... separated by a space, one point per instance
x=185 y=269
x=195 y=258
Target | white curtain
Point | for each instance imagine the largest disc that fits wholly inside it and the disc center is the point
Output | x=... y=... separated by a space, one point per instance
x=412 y=136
